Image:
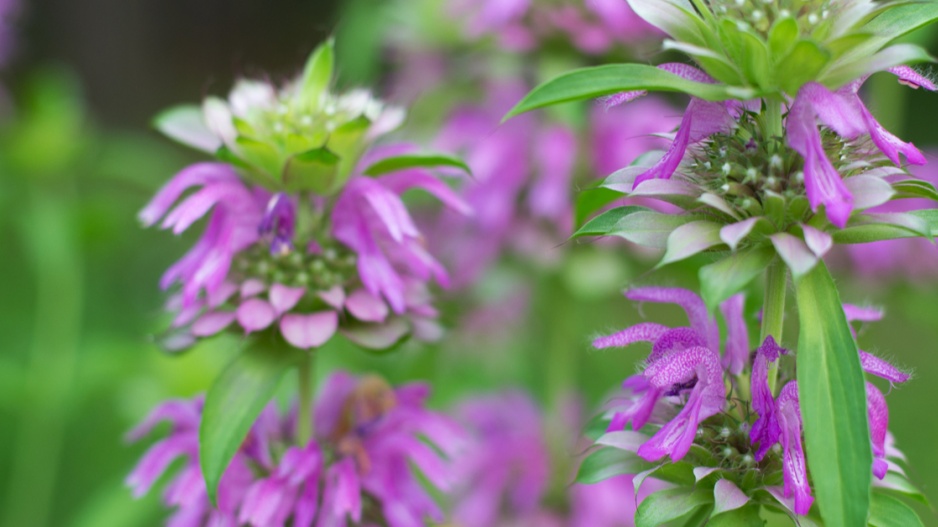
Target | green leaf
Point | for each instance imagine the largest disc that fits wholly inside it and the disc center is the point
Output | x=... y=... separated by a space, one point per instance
x=317 y=74
x=649 y=229
x=609 y=462
x=690 y=239
x=234 y=401
x=782 y=37
x=747 y=516
x=832 y=395
x=803 y=64
x=605 y=223
x=887 y=511
x=914 y=188
x=871 y=227
x=186 y=125
x=402 y=162
x=667 y=505
x=725 y=278
x=718 y=66
x=590 y=83
x=261 y=155
x=311 y=170
x=846 y=71
x=795 y=253
x=895 y=482
x=591 y=200
x=901 y=20
x=930 y=217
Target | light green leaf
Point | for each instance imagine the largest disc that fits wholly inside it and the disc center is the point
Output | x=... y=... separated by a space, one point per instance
x=609 y=462
x=590 y=83
x=725 y=278
x=901 y=20
x=234 y=401
x=690 y=239
x=605 y=223
x=896 y=482
x=842 y=72
x=187 y=125
x=832 y=394
x=648 y=228
x=317 y=74
x=592 y=199
x=747 y=516
x=914 y=188
x=403 y=162
x=886 y=511
x=803 y=64
x=261 y=155
x=311 y=170
x=795 y=253
x=869 y=227
x=782 y=37
x=667 y=505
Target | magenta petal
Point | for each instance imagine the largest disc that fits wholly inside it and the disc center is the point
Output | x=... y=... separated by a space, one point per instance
x=644 y=332
x=367 y=307
x=794 y=468
x=211 y=323
x=198 y=174
x=862 y=314
x=876 y=366
x=736 y=352
x=400 y=182
x=309 y=331
x=347 y=490
x=878 y=414
x=283 y=298
x=818 y=241
x=252 y=287
x=912 y=78
x=255 y=314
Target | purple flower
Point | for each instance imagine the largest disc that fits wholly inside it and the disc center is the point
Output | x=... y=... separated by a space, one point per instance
x=358 y=465
x=597 y=25
x=844 y=113
x=794 y=468
x=682 y=360
x=502 y=18
x=765 y=430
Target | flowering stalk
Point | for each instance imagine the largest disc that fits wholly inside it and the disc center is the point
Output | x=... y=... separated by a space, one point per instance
x=776 y=159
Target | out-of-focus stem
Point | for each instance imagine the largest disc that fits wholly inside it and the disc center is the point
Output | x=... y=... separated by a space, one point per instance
x=49 y=242
x=773 y=310
x=304 y=422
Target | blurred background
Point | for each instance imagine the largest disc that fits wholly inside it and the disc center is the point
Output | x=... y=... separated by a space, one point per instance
x=79 y=289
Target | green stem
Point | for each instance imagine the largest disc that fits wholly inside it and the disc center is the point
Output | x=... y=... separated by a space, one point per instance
x=304 y=424
x=773 y=310
x=772 y=125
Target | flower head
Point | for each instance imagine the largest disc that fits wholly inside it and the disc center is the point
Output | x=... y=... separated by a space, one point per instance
x=356 y=468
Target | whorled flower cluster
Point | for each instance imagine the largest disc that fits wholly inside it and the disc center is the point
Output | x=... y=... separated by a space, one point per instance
x=358 y=466
x=718 y=410
x=304 y=232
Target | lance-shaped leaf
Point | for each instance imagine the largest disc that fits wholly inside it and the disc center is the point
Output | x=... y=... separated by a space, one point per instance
x=802 y=64
x=727 y=497
x=747 y=516
x=591 y=200
x=895 y=22
x=725 y=278
x=650 y=229
x=887 y=511
x=317 y=74
x=606 y=222
x=832 y=396
x=606 y=463
x=667 y=505
x=868 y=191
x=675 y=17
x=590 y=83
x=690 y=239
x=898 y=483
x=870 y=227
x=234 y=401
x=914 y=188
x=402 y=162
x=795 y=253
x=186 y=124
x=896 y=55
x=314 y=170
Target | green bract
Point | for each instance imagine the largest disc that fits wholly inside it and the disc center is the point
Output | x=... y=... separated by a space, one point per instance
x=299 y=137
x=776 y=47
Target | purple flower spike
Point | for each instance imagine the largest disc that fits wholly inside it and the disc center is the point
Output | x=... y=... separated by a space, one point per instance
x=793 y=464
x=279 y=221
x=765 y=430
x=878 y=414
x=696 y=311
x=736 y=351
x=823 y=183
x=701 y=367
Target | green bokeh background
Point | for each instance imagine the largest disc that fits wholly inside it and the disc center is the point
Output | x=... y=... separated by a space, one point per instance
x=78 y=276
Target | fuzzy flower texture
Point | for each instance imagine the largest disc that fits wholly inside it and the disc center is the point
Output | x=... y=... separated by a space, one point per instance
x=710 y=402
x=300 y=236
x=356 y=468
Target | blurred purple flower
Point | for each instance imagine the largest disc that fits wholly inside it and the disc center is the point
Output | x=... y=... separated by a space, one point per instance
x=372 y=265
x=358 y=466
